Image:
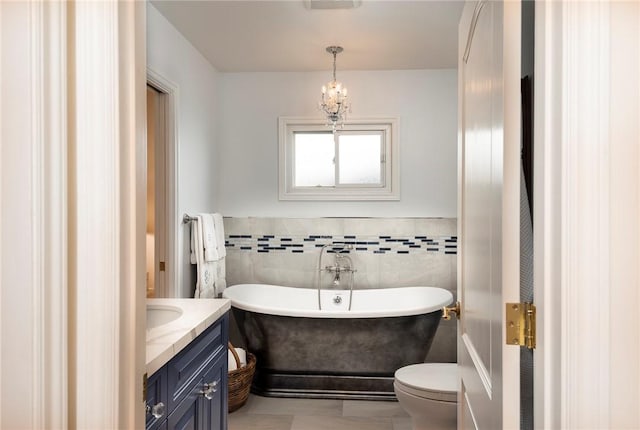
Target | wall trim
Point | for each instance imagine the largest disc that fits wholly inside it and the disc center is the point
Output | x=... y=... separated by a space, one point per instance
x=173 y=219
x=546 y=216
x=33 y=291
x=132 y=212
x=586 y=212
x=584 y=220
x=108 y=214
x=95 y=162
x=54 y=216
x=37 y=193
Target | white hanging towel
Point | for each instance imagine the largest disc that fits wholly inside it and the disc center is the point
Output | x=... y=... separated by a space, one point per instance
x=221 y=272
x=221 y=282
x=192 y=256
x=207 y=271
x=207 y=236
x=218 y=225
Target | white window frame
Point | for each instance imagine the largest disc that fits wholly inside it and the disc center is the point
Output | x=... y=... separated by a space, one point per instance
x=390 y=187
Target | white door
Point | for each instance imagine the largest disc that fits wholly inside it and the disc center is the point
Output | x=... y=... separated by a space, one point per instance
x=488 y=208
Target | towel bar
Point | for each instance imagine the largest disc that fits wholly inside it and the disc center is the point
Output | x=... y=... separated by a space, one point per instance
x=188 y=218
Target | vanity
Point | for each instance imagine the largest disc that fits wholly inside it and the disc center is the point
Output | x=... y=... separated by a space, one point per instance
x=187 y=363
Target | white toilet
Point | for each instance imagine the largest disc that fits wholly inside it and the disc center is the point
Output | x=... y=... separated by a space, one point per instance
x=428 y=393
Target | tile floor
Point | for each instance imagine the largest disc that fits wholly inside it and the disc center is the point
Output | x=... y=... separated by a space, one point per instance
x=271 y=413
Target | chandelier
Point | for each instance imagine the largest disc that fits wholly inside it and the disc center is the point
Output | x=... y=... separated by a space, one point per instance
x=334 y=97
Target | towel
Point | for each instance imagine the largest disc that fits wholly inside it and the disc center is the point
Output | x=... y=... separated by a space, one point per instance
x=221 y=274
x=218 y=225
x=207 y=271
x=209 y=238
x=231 y=361
x=214 y=249
x=211 y=281
x=192 y=256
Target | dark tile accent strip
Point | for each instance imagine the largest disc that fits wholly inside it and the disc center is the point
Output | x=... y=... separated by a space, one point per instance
x=372 y=244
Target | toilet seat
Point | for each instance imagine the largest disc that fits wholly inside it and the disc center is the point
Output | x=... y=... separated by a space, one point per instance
x=433 y=381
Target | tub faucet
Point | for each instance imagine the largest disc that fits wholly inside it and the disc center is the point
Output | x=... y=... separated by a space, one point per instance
x=336 y=273
x=342 y=263
x=336 y=278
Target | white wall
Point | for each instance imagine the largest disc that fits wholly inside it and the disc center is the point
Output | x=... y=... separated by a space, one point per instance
x=424 y=100
x=171 y=56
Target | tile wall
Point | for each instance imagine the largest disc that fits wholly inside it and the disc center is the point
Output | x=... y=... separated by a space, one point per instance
x=387 y=253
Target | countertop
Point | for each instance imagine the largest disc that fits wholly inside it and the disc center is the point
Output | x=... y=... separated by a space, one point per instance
x=165 y=341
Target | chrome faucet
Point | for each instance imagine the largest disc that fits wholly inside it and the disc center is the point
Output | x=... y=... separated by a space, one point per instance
x=342 y=264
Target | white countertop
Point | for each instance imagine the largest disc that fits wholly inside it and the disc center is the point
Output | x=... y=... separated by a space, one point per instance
x=165 y=341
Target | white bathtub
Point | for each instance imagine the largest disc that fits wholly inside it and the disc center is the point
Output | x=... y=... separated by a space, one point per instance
x=303 y=302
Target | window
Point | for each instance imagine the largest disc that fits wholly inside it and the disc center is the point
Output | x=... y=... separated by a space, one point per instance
x=358 y=162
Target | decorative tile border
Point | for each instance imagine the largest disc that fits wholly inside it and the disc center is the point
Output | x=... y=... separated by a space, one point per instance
x=370 y=244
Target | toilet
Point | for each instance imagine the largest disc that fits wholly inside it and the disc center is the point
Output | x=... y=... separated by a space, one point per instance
x=428 y=393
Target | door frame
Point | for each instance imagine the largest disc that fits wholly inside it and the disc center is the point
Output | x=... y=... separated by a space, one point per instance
x=170 y=91
x=587 y=193
x=107 y=206
x=546 y=217
x=73 y=87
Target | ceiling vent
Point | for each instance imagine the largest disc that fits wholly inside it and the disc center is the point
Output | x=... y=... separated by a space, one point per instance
x=332 y=4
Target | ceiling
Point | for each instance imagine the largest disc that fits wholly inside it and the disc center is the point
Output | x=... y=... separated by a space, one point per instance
x=286 y=36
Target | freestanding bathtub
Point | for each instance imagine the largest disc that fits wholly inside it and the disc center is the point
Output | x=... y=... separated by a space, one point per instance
x=334 y=352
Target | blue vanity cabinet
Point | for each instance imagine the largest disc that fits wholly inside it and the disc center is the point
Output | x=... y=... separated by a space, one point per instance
x=156 y=402
x=195 y=390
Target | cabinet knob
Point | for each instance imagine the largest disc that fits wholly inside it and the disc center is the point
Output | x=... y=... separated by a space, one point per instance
x=208 y=389
x=157 y=410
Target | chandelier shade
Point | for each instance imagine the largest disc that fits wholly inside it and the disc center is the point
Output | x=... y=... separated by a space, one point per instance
x=334 y=101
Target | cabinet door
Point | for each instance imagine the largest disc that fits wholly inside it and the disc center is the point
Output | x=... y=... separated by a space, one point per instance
x=206 y=405
x=188 y=414
x=156 y=399
x=215 y=408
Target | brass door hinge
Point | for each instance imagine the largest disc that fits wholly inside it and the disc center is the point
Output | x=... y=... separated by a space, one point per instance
x=447 y=310
x=521 y=324
x=144 y=387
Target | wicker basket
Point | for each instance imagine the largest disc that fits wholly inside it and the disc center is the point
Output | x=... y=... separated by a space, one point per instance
x=240 y=380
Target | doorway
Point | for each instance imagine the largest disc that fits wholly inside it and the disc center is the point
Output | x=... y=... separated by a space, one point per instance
x=156 y=225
